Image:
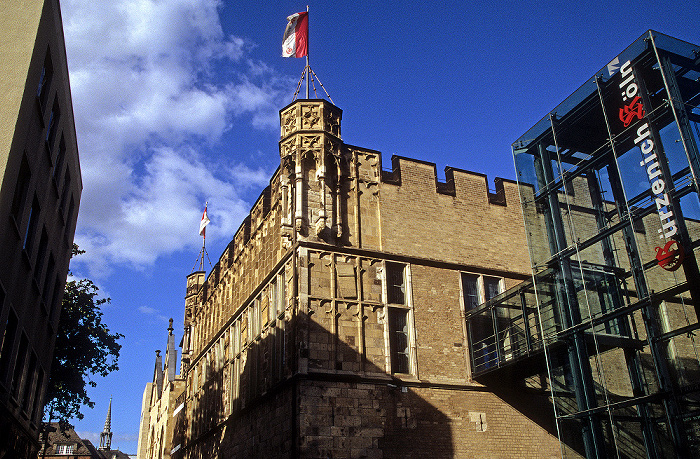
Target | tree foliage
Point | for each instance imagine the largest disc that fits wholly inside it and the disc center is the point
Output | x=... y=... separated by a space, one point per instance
x=84 y=347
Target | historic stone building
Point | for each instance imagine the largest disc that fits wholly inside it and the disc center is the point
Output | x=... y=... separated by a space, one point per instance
x=40 y=188
x=159 y=397
x=333 y=325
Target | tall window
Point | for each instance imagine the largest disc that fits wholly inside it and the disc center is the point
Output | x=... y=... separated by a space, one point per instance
x=29 y=383
x=52 y=128
x=60 y=158
x=66 y=193
x=395 y=283
x=398 y=318
x=32 y=224
x=42 y=91
x=470 y=290
x=398 y=340
x=48 y=282
x=19 y=365
x=38 y=406
x=8 y=342
x=492 y=287
x=21 y=190
x=41 y=255
x=477 y=289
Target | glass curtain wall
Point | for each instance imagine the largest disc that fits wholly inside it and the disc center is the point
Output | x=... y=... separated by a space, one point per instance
x=609 y=190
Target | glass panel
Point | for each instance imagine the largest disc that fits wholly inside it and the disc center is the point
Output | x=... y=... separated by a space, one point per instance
x=492 y=287
x=395 y=283
x=398 y=325
x=470 y=290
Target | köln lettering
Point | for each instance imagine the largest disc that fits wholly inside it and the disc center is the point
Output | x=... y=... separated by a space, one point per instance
x=628 y=113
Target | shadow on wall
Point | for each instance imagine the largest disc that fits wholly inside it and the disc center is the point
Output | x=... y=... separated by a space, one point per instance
x=344 y=407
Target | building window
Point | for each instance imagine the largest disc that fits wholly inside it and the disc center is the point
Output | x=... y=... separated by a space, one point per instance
x=8 y=342
x=492 y=287
x=60 y=158
x=477 y=289
x=66 y=193
x=19 y=366
x=65 y=449
x=48 y=281
x=52 y=128
x=31 y=226
x=38 y=406
x=398 y=340
x=42 y=91
x=29 y=384
x=41 y=255
x=395 y=283
x=398 y=318
x=21 y=191
x=470 y=291
x=274 y=299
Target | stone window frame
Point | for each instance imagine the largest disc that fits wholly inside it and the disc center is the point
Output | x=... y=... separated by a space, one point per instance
x=406 y=306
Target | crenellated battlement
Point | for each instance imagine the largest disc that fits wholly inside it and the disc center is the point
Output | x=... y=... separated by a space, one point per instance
x=450 y=186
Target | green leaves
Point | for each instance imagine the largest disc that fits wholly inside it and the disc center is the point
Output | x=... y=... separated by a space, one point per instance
x=84 y=347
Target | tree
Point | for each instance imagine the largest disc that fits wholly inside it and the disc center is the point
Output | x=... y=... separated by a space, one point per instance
x=84 y=347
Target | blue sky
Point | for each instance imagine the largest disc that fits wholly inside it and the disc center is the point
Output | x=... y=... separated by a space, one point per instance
x=176 y=103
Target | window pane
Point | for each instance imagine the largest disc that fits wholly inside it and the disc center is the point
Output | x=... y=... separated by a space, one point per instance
x=395 y=283
x=492 y=287
x=398 y=340
x=470 y=291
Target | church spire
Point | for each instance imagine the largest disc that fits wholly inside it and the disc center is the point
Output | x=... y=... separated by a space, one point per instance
x=106 y=435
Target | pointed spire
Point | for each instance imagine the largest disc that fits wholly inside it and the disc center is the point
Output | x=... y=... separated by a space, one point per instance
x=170 y=355
x=106 y=435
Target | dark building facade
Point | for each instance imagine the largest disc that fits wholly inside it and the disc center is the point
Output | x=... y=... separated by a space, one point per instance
x=609 y=191
x=40 y=188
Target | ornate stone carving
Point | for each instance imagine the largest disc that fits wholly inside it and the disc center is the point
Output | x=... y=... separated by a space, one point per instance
x=310 y=117
x=289 y=121
x=320 y=226
x=310 y=142
x=333 y=123
x=288 y=148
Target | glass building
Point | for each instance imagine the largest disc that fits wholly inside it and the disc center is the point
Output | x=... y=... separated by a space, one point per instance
x=608 y=325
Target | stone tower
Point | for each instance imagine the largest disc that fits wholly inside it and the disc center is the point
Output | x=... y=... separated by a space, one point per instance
x=194 y=282
x=311 y=171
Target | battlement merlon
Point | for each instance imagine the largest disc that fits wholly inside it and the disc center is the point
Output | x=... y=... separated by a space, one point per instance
x=457 y=181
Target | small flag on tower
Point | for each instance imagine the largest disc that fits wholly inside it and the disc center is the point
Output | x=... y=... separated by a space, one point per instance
x=296 y=36
x=203 y=224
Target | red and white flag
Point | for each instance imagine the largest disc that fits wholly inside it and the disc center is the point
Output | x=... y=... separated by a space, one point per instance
x=203 y=224
x=296 y=36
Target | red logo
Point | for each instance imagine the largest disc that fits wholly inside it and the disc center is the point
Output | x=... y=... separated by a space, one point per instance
x=629 y=112
x=670 y=258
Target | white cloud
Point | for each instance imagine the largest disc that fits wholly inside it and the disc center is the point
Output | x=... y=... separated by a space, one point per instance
x=147 y=310
x=149 y=98
x=152 y=312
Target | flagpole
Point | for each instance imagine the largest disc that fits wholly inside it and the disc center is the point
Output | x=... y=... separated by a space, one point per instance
x=308 y=69
x=204 y=241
